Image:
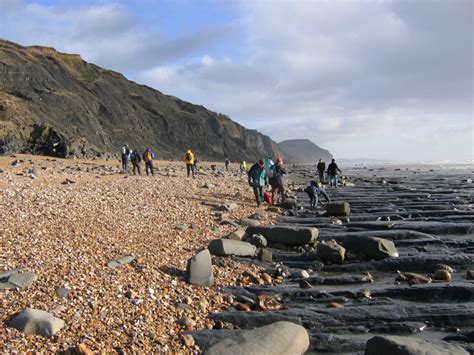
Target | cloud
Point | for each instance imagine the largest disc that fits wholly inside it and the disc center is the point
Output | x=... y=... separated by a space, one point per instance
x=381 y=79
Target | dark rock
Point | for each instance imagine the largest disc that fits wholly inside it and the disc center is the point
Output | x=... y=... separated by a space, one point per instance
x=338 y=209
x=265 y=255
x=257 y=239
x=286 y=235
x=371 y=247
x=331 y=252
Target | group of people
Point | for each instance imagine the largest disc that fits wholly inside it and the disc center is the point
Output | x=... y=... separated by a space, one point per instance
x=135 y=158
x=331 y=171
x=267 y=173
x=148 y=156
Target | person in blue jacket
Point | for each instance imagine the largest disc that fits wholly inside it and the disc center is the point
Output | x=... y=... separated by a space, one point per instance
x=257 y=180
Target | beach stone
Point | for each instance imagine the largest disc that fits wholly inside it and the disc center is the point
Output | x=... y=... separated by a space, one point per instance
x=181 y=227
x=305 y=284
x=57 y=309
x=275 y=338
x=300 y=274
x=265 y=255
x=21 y=279
x=211 y=203
x=63 y=292
x=332 y=252
x=267 y=278
x=286 y=235
x=442 y=275
x=470 y=275
x=199 y=269
x=338 y=209
x=188 y=340
x=238 y=234
x=229 y=207
x=258 y=240
x=226 y=247
x=249 y=222
x=256 y=216
x=399 y=345
x=122 y=261
x=38 y=322
x=372 y=247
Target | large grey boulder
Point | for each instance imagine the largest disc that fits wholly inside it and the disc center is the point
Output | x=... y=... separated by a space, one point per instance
x=331 y=252
x=276 y=338
x=398 y=345
x=338 y=209
x=199 y=269
x=226 y=247
x=371 y=247
x=38 y=322
x=286 y=235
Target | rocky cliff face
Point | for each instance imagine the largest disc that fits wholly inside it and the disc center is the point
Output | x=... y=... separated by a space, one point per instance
x=303 y=151
x=57 y=104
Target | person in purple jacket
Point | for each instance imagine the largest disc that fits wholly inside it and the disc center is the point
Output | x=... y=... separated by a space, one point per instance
x=148 y=157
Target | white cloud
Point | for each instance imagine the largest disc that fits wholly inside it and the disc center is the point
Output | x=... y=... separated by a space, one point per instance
x=384 y=79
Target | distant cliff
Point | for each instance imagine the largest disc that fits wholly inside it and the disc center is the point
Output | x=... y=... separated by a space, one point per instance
x=303 y=151
x=58 y=104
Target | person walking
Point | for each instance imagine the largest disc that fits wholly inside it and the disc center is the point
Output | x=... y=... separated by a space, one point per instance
x=227 y=162
x=332 y=173
x=189 y=160
x=135 y=159
x=148 y=157
x=315 y=191
x=256 y=176
x=243 y=166
x=268 y=164
x=125 y=157
x=321 y=167
x=276 y=179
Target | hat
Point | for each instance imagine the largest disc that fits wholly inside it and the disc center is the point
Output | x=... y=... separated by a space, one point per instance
x=280 y=160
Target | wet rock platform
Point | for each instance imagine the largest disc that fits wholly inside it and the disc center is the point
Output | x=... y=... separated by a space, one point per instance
x=424 y=293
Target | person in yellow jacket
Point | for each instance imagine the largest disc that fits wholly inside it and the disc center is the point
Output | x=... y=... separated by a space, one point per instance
x=189 y=160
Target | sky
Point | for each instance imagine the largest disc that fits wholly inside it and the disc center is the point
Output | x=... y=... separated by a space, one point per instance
x=378 y=79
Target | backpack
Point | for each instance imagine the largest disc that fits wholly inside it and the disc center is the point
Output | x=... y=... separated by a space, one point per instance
x=189 y=156
x=271 y=172
x=148 y=156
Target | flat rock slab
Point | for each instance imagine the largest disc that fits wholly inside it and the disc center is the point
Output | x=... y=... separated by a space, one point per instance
x=122 y=261
x=276 y=338
x=226 y=247
x=199 y=269
x=17 y=278
x=249 y=222
x=63 y=292
x=285 y=235
x=38 y=322
x=398 y=345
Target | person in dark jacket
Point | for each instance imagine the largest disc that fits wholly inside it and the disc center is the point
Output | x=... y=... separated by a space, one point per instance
x=227 y=163
x=276 y=179
x=321 y=167
x=148 y=157
x=135 y=159
x=315 y=191
x=332 y=173
x=256 y=176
